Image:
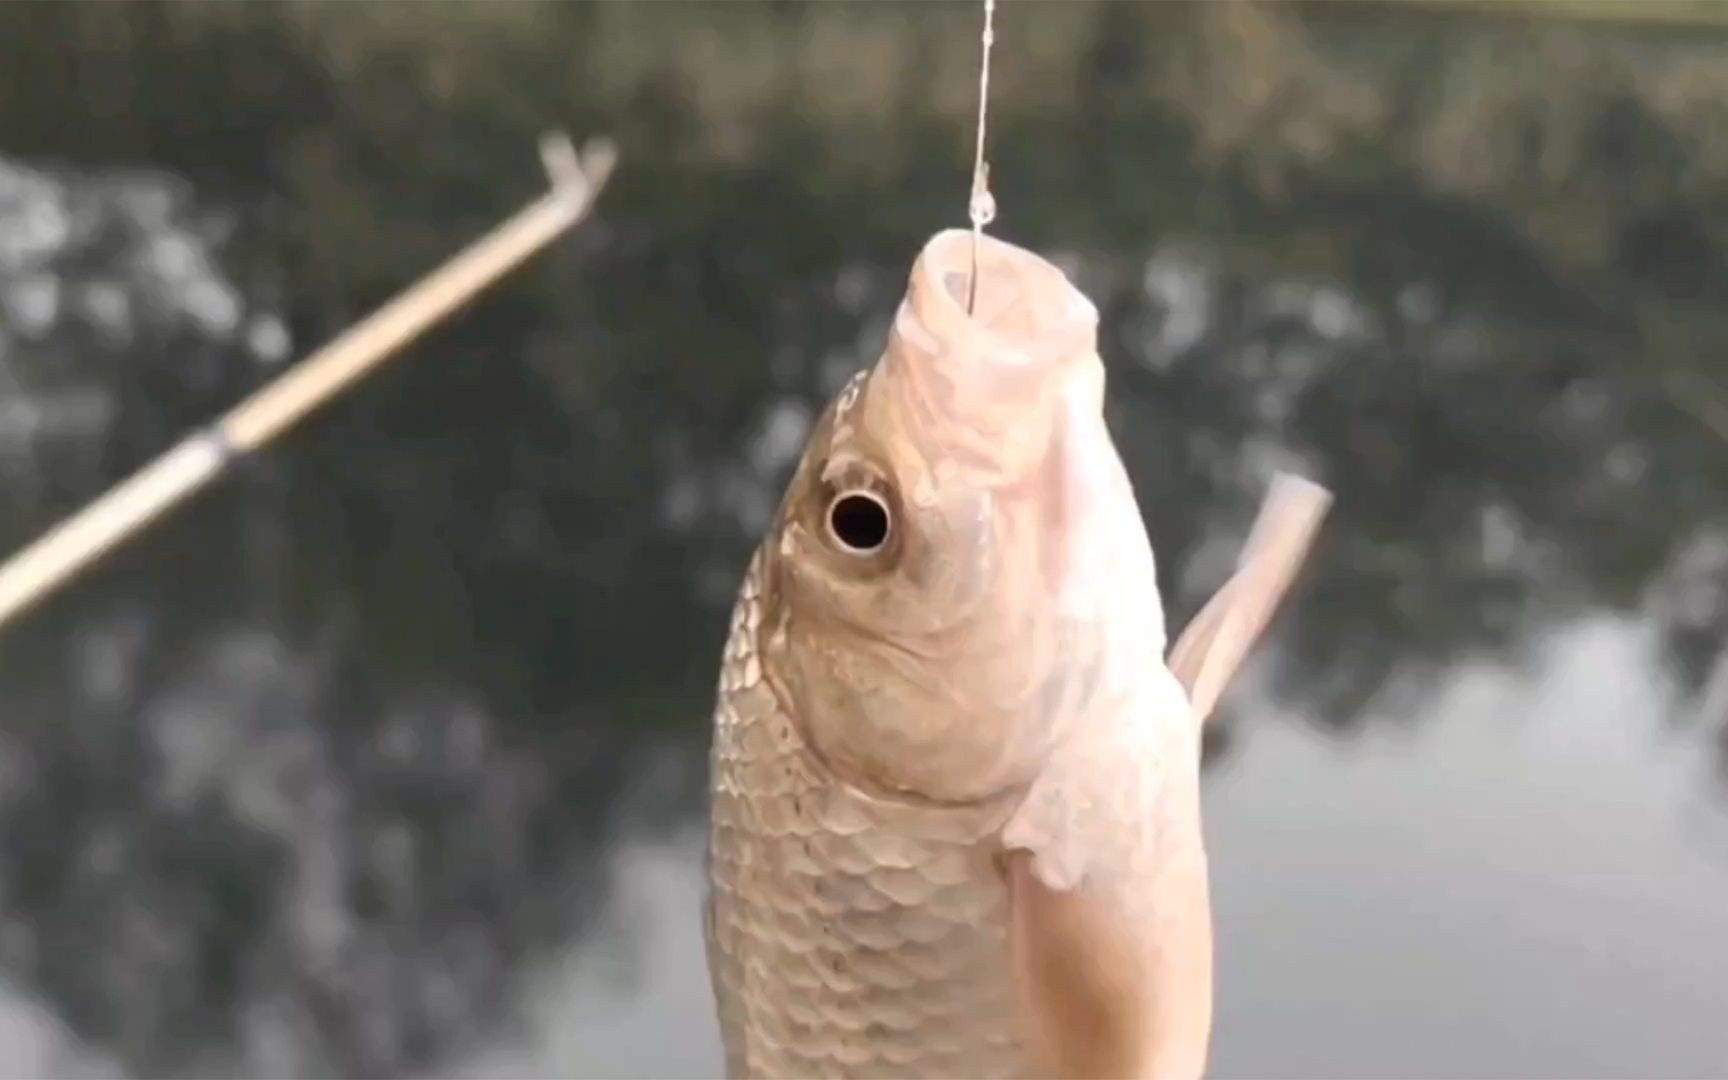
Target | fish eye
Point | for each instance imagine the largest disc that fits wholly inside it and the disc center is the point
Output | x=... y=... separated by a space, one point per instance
x=859 y=521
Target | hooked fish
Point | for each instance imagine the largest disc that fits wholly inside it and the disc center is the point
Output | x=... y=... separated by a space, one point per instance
x=955 y=819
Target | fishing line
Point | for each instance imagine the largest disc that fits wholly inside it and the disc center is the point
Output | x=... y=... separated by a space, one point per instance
x=982 y=205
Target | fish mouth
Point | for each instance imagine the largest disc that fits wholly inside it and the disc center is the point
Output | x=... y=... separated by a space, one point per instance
x=977 y=357
x=1021 y=308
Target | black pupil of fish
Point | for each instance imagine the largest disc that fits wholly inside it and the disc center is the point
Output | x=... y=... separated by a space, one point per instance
x=859 y=521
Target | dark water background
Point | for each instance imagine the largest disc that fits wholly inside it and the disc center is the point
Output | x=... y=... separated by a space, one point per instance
x=384 y=758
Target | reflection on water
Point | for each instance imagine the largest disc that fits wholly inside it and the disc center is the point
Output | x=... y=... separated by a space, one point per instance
x=644 y=1014
x=382 y=759
x=1517 y=880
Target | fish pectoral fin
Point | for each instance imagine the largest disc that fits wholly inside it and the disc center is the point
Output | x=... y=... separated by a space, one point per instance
x=1218 y=639
x=1201 y=662
x=1110 y=924
x=1091 y=811
x=1111 y=990
x=1084 y=993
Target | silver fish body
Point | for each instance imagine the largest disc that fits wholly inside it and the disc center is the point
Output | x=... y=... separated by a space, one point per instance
x=954 y=822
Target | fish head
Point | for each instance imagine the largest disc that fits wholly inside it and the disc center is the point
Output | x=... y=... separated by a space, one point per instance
x=940 y=572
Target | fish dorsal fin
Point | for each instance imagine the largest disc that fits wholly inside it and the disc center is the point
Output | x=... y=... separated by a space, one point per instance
x=1218 y=639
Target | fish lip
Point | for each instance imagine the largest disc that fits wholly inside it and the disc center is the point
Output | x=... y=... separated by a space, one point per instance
x=1063 y=320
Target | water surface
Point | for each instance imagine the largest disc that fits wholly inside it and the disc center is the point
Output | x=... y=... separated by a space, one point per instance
x=384 y=759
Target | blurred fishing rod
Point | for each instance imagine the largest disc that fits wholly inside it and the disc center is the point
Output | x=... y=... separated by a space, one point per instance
x=63 y=551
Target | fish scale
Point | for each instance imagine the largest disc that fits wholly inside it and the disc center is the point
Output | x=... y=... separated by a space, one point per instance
x=848 y=937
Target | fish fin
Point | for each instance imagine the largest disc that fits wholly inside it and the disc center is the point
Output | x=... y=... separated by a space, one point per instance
x=1110 y=931
x=1218 y=639
x=1110 y=914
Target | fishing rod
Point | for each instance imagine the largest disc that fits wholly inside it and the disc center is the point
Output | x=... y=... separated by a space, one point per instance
x=74 y=544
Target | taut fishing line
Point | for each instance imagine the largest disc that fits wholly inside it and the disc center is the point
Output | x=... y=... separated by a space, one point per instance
x=982 y=205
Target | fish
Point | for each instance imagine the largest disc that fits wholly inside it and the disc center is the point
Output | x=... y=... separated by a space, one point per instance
x=954 y=811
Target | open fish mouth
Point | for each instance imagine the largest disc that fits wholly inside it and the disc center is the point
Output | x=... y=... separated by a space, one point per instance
x=981 y=387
